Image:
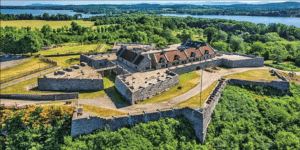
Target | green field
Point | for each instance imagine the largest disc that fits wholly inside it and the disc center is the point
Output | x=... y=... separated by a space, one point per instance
x=66 y=61
x=253 y=75
x=38 y=24
x=71 y=48
x=103 y=112
x=32 y=64
x=187 y=81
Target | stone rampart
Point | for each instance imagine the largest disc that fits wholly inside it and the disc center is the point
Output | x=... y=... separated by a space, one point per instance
x=65 y=84
x=281 y=85
x=61 y=96
x=87 y=125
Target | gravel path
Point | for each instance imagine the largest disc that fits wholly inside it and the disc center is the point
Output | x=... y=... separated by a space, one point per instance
x=28 y=77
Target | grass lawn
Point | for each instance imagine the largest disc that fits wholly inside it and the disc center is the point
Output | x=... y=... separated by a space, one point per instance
x=39 y=23
x=66 y=61
x=103 y=112
x=187 y=81
x=253 y=75
x=287 y=65
x=195 y=100
x=32 y=64
x=295 y=78
x=70 y=48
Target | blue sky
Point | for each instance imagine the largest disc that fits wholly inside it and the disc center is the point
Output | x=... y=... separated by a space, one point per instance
x=68 y=2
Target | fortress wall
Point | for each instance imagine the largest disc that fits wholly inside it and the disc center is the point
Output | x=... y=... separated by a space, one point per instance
x=61 y=96
x=88 y=125
x=122 y=88
x=194 y=66
x=281 y=85
x=254 y=62
x=64 y=84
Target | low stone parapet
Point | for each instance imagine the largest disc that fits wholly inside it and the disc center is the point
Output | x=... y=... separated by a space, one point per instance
x=61 y=96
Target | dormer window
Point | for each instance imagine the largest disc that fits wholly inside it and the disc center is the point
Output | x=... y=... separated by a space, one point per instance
x=206 y=52
x=193 y=54
x=162 y=60
x=177 y=57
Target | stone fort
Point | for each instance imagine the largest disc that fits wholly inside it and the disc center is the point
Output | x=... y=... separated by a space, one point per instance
x=142 y=69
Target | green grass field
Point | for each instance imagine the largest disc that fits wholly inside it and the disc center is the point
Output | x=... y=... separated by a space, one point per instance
x=38 y=24
x=187 y=81
x=253 y=75
x=66 y=61
x=32 y=64
x=195 y=100
x=71 y=48
x=103 y=112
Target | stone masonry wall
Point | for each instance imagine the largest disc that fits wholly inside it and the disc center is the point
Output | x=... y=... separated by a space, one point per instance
x=147 y=92
x=62 y=96
x=281 y=85
x=64 y=84
x=87 y=125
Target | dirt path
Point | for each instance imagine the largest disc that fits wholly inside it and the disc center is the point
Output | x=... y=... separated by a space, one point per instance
x=102 y=48
x=28 y=77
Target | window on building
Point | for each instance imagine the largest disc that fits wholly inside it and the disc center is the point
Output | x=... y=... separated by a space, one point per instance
x=173 y=64
x=162 y=66
x=177 y=63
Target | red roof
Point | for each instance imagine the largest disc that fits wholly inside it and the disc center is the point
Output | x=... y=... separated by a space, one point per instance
x=189 y=52
x=203 y=48
x=171 y=55
x=158 y=56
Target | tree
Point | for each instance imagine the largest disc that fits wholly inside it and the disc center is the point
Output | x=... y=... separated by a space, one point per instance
x=46 y=30
x=236 y=43
x=219 y=36
x=297 y=57
x=220 y=46
x=279 y=53
x=209 y=32
x=77 y=15
x=45 y=16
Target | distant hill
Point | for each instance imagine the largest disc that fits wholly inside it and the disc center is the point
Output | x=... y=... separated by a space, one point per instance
x=39 y=4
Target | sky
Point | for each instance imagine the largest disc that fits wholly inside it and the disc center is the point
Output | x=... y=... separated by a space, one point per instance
x=81 y=2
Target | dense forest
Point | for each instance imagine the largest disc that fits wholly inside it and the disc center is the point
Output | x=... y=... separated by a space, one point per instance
x=276 y=41
x=285 y=9
x=45 y=16
x=245 y=118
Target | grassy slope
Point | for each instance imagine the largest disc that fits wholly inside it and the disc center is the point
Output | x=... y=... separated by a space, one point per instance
x=287 y=65
x=186 y=81
x=70 y=48
x=63 y=61
x=253 y=75
x=39 y=23
x=32 y=64
x=195 y=100
x=103 y=112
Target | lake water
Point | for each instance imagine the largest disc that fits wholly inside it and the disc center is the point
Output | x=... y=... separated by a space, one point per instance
x=42 y=11
x=255 y=19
